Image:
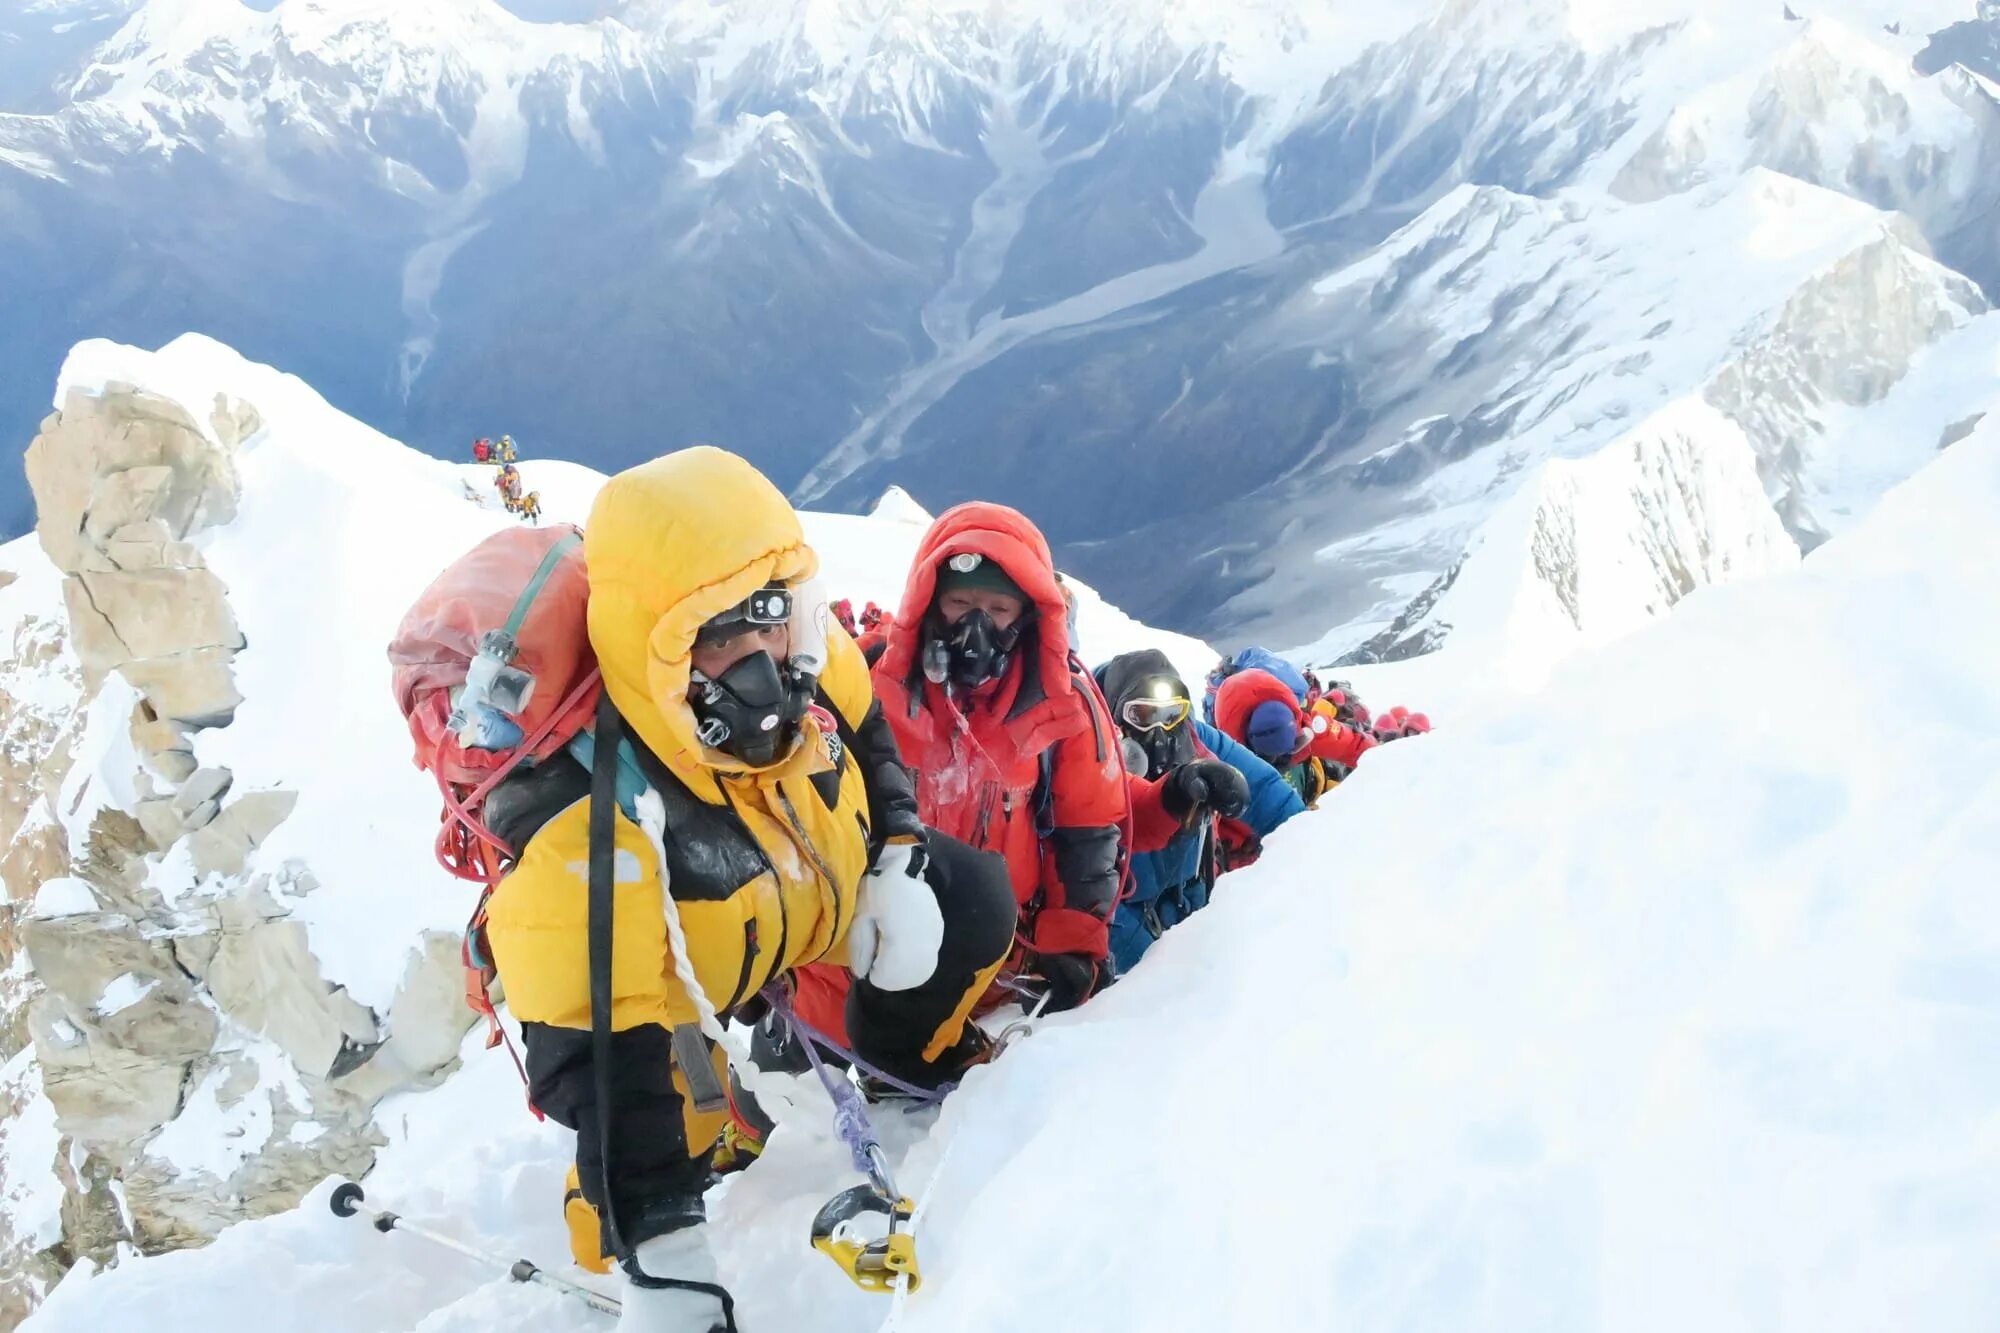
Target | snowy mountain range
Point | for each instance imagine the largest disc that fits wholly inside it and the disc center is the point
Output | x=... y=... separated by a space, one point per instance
x=1655 y=989
x=1298 y=297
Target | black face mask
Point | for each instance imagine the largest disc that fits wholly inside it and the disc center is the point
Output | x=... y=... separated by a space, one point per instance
x=751 y=711
x=1161 y=751
x=970 y=652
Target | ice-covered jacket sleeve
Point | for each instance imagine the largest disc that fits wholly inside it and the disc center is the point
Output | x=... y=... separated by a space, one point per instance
x=1086 y=855
x=1272 y=799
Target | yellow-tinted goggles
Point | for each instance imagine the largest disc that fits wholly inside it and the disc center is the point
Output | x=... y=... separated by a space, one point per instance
x=1148 y=714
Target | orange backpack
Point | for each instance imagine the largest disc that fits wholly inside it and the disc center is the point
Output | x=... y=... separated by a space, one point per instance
x=493 y=670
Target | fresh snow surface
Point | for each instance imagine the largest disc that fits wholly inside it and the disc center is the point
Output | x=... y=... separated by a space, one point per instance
x=65 y=895
x=1953 y=383
x=208 y=1136
x=1665 y=997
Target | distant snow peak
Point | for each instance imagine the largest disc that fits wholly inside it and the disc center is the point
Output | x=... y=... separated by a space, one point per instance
x=897 y=505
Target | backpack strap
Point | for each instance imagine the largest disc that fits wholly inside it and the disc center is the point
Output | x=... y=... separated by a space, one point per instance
x=550 y=559
x=602 y=864
x=631 y=782
x=1045 y=796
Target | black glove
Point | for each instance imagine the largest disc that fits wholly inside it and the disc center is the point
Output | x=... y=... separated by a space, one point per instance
x=1205 y=782
x=1072 y=978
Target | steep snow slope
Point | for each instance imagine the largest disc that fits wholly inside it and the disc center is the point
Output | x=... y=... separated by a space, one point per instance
x=1676 y=1014
x=1594 y=548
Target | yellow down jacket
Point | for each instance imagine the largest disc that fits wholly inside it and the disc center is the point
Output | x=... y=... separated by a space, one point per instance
x=764 y=862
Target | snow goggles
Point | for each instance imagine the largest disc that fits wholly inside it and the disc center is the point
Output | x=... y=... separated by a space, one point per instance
x=769 y=605
x=1151 y=713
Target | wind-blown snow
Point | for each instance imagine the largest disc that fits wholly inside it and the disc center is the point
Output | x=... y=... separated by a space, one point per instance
x=1665 y=997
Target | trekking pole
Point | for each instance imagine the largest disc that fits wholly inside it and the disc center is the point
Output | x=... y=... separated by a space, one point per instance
x=346 y=1202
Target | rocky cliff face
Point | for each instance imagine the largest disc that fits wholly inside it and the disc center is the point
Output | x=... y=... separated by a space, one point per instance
x=153 y=976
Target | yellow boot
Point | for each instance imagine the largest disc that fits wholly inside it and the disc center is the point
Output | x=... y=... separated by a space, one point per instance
x=735 y=1150
x=584 y=1244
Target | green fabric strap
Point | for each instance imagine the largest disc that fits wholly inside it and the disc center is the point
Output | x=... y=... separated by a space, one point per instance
x=542 y=573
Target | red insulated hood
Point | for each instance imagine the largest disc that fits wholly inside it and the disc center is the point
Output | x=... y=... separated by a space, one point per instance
x=1007 y=537
x=1242 y=692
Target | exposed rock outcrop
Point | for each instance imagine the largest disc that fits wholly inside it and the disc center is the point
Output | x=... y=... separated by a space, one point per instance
x=167 y=1011
x=122 y=480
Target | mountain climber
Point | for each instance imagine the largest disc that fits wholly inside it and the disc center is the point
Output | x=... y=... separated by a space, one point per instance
x=1339 y=702
x=1313 y=750
x=530 y=507
x=508 y=482
x=1255 y=659
x=505 y=453
x=1161 y=736
x=865 y=625
x=843 y=611
x=1013 y=746
x=1399 y=722
x=749 y=801
x=482 y=450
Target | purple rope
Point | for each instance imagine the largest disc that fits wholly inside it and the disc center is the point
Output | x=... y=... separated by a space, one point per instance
x=850 y=1117
x=811 y=1037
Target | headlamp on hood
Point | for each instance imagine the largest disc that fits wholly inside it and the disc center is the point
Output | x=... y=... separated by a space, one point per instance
x=1161 y=705
x=769 y=606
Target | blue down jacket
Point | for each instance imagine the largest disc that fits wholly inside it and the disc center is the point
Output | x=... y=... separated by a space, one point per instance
x=1172 y=884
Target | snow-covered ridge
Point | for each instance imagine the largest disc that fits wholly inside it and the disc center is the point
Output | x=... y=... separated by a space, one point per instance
x=181 y=62
x=1551 y=327
x=1643 y=1003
